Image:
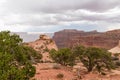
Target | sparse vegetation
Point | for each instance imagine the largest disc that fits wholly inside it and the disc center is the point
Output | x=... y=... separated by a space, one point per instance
x=92 y=57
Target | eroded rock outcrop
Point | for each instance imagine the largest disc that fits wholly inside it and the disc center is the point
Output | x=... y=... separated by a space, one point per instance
x=69 y=38
x=43 y=45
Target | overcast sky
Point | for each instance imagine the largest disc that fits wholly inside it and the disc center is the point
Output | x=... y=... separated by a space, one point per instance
x=54 y=15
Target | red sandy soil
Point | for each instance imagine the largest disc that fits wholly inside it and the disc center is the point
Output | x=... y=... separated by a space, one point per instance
x=46 y=72
x=92 y=76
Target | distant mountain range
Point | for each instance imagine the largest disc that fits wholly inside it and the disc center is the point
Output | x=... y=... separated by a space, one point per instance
x=31 y=36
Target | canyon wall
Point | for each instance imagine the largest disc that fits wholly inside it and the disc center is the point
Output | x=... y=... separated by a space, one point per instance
x=70 y=38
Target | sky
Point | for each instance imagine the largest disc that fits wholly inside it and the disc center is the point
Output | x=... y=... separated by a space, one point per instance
x=55 y=15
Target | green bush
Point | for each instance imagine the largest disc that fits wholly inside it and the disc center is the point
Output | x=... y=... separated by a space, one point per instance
x=63 y=56
x=93 y=57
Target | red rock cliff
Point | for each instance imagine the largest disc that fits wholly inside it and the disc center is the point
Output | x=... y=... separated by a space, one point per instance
x=69 y=38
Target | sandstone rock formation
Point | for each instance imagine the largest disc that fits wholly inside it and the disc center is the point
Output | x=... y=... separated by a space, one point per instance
x=70 y=38
x=43 y=45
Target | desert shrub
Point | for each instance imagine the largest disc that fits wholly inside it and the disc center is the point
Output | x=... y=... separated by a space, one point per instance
x=63 y=56
x=60 y=75
x=93 y=57
x=78 y=51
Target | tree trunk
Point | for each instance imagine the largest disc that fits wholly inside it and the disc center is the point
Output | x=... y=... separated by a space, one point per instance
x=90 y=67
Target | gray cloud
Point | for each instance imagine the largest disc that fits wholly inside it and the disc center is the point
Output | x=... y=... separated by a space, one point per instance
x=52 y=6
x=44 y=13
